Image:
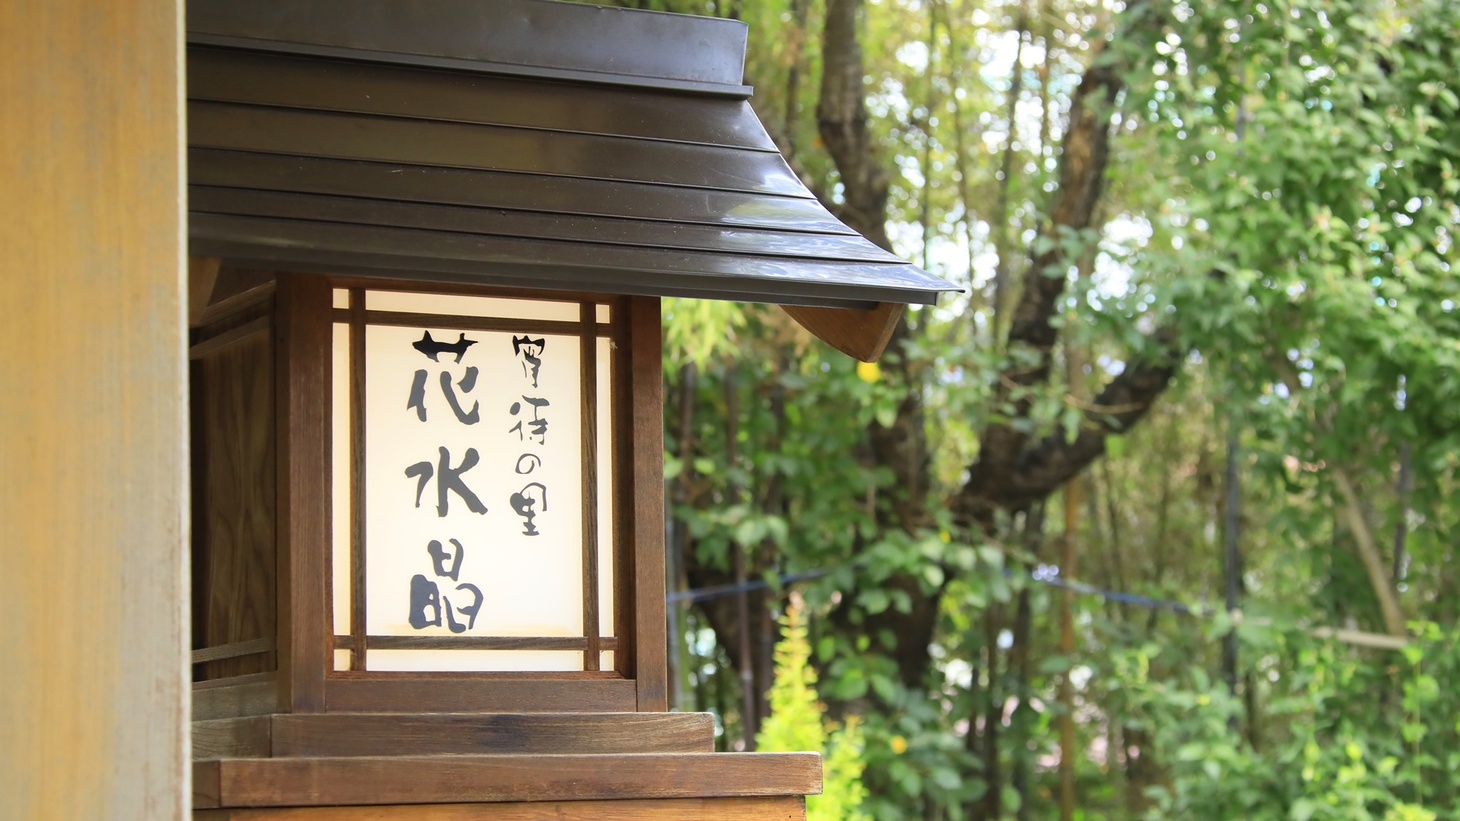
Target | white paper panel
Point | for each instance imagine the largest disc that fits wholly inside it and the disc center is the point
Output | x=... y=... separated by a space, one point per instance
x=601 y=313
x=605 y=492
x=418 y=303
x=340 y=479
x=529 y=575
x=475 y=660
x=342 y=659
x=340 y=297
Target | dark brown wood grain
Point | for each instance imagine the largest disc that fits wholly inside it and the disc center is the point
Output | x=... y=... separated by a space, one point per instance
x=477 y=643
x=245 y=737
x=364 y=734
x=646 y=400
x=233 y=477
x=622 y=489
x=760 y=808
x=207 y=784
x=232 y=651
x=229 y=338
x=448 y=693
x=466 y=322
x=588 y=390
x=304 y=337
x=860 y=334
x=236 y=289
x=334 y=781
x=240 y=696
x=359 y=646
x=202 y=276
x=382 y=734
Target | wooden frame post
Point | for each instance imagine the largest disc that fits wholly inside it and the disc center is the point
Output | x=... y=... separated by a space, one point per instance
x=647 y=398
x=302 y=348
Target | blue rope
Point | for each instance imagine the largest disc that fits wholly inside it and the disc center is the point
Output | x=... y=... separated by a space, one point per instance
x=1045 y=574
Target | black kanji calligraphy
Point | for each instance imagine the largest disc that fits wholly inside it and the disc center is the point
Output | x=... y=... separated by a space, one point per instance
x=448 y=565
x=433 y=349
x=470 y=611
x=525 y=502
x=448 y=480
x=536 y=427
x=425 y=603
x=529 y=350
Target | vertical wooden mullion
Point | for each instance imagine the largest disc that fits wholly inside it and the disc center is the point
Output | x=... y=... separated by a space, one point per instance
x=622 y=420
x=646 y=396
x=357 y=479
x=588 y=391
x=302 y=535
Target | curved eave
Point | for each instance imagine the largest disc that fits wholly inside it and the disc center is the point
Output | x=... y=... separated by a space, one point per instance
x=330 y=157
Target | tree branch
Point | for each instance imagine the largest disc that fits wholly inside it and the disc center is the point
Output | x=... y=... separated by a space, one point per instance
x=1053 y=460
x=1084 y=156
x=841 y=119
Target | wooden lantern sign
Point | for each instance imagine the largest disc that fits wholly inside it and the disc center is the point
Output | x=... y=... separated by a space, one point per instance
x=428 y=244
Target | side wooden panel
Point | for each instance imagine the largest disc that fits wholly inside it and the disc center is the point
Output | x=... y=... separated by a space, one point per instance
x=241 y=696
x=647 y=390
x=303 y=348
x=93 y=559
x=202 y=277
x=324 y=782
x=774 y=808
x=233 y=482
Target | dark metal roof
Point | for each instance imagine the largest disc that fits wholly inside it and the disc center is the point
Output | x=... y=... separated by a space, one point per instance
x=513 y=142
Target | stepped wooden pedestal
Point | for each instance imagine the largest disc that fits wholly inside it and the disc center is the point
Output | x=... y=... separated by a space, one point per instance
x=498 y=766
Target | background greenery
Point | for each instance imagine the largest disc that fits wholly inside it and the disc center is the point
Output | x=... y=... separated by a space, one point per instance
x=1206 y=363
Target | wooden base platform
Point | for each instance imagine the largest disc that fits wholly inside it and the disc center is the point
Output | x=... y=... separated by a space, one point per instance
x=779 y=808
x=341 y=781
x=487 y=767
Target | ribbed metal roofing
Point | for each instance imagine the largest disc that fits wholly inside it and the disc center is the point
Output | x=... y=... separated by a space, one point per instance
x=514 y=142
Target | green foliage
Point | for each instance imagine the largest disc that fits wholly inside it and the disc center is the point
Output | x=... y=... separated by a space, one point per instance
x=1329 y=755
x=842 y=791
x=797 y=723
x=1284 y=194
x=698 y=330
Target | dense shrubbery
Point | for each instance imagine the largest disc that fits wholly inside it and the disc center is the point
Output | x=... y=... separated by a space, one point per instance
x=1265 y=271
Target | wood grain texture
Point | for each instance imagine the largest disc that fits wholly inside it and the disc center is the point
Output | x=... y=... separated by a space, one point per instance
x=202 y=276
x=233 y=478
x=241 y=696
x=367 y=734
x=359 y=572
x=93 y=414
x=232 y=737
x=297 y=782
x=445 y=693
x=860 y=334
x=622 y=488
x=588 y=413
x=235 y=650
x=647 y=400
x=237 y=289
x=303 y=337
x=771 y=808
x=229 y=338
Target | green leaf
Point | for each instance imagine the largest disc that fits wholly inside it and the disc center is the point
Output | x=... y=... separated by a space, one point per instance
x=874 y=600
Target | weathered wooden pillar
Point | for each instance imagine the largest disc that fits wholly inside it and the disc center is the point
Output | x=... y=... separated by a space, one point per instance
x=92 y=504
